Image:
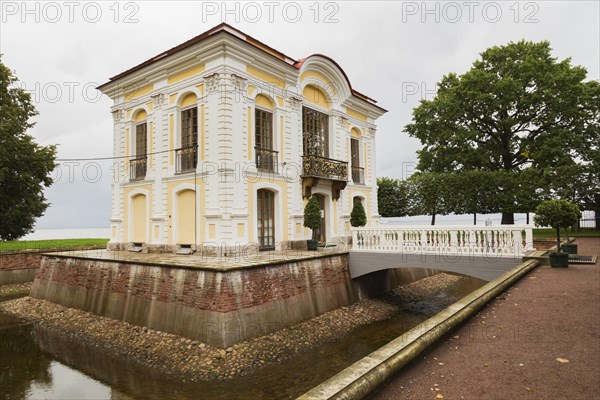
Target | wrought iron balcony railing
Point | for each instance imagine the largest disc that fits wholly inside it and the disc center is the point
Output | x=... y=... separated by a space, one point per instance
x=186 y=159
x=323 y=167
x=137 y=168
x=358 y=175
x=266 y=160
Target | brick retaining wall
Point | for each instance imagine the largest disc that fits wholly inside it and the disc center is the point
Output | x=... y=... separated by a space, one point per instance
x=20 y=266
x=217 y=307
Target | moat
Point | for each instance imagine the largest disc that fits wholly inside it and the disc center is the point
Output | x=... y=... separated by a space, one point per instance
x=40 y=363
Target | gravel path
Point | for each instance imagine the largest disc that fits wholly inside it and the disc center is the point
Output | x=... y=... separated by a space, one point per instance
x=538 y=340
x=193 y=360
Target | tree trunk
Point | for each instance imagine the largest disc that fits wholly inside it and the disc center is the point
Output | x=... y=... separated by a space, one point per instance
x=432 y=219
x=474 y=218
x=508 y=218
x=558 y=240
x=527 y=219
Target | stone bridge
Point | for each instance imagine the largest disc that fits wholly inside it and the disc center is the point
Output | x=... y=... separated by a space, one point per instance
x=481 y=252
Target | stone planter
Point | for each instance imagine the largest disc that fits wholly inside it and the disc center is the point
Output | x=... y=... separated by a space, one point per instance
x=559 y=260
x=569 y=248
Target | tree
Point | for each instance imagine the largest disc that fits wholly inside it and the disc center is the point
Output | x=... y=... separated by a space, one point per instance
x=429 y=193
x=516 y=107
x=24 y=165
x=312 y=216
x=392 y=197
x=557 y=214
x=358 y=217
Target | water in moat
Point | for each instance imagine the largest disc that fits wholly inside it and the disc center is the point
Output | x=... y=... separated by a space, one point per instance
x=38 y=364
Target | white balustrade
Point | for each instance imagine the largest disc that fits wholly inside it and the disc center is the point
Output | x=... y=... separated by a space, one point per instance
x=504 y=240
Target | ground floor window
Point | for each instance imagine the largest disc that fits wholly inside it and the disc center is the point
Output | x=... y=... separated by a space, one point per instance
x=266 y=219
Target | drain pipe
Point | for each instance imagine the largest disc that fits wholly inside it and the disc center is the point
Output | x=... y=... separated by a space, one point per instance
x=365 y=375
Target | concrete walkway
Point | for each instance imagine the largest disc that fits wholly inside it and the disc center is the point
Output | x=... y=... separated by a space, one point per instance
x=539 y=340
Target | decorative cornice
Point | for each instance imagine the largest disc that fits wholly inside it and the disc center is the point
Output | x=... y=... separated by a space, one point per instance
x=295 y=102
x=213 y=82
x=158 y=100
x=239 y=82
x=118 y=116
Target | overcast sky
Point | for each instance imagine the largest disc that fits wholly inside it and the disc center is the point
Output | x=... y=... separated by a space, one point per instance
x=394 y=52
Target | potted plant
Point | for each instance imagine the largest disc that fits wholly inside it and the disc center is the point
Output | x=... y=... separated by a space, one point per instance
x=312 y=220
x=569 y=248
x=557 y=214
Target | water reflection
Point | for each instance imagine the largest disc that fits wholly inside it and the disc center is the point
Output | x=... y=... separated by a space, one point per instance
x=37 y=363
x=23 y=366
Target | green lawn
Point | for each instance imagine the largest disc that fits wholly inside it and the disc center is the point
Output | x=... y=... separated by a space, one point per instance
x=551 y=233
x=50 y=244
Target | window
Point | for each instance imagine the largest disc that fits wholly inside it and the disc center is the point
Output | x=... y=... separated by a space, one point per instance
x=138 y=163
x=315 y=128
x=265 y=209
x=266 y=157
x=187 y=158
x=140 y=140
x=358 y=174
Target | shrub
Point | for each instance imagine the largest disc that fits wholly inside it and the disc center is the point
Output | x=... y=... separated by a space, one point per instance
x=358 y=217
x=312 y=216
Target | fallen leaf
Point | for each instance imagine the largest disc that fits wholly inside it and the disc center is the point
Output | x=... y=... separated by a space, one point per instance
x=456 y=337
x=443 y=363
x=562 y=360
x=439 y=396
x=521 y=365
x=529 y=389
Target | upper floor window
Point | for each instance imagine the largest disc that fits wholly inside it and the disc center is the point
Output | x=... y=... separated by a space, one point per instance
x=187 y=155
x=358 y=174
x=315 y=128
x=266 y=156
x=138 y=163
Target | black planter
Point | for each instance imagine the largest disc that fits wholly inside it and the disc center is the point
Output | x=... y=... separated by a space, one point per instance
x=569 y=248
x=312 y=244
x=559 y=260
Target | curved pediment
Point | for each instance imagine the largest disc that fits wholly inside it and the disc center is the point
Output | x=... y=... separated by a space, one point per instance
x=323 y=73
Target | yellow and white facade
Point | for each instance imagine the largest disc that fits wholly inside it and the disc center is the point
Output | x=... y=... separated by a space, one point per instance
x=222 y=140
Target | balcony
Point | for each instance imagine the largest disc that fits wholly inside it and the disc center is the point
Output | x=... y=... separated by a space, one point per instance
x=186 y=159
x=322 y=167
x=358 y=175
x=315 y=168
x=266 y=160
x=137 y=169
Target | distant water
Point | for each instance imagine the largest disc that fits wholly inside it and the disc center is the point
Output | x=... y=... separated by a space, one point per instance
x=495 y=219
x=68 y=233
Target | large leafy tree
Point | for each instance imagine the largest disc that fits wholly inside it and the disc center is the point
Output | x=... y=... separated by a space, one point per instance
x=474 y=192
x=516 y=107
x=24 y=164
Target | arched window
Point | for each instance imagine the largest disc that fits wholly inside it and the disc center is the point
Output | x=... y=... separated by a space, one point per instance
x=265 y=209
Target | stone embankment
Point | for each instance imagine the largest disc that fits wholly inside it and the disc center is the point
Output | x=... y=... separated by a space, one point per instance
x=194 y=360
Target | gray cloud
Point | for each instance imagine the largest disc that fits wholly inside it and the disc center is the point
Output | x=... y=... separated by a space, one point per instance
x=384 y=47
